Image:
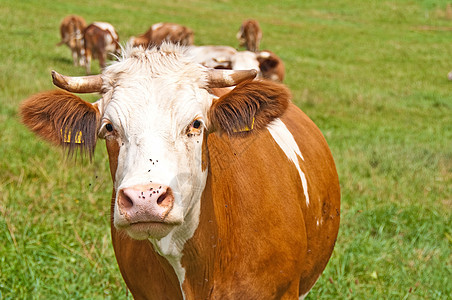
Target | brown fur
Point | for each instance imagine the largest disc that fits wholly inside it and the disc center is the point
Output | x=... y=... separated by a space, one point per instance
x=262 y=100
x=174 y=33
x=53 y=114
x=257 y=238
x=324 y=189
x=247 y=217
x=250 y=35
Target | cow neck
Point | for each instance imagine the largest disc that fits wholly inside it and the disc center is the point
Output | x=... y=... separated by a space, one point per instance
x=198 y=257
x=185 y=249
x=172 y=245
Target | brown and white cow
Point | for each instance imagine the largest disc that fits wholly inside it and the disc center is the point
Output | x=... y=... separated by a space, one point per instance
x=71 y=30
x=164 y=32
x=101 y=39
x=215 y=57
x=271 y=66
x=267 y=63
x=250 y=35
x=231 y=197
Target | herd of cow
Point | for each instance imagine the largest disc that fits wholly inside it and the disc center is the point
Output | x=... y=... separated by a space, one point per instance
x=222 y=187
x=98 y=39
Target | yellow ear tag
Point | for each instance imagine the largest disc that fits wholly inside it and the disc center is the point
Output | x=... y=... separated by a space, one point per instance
x=67 y=137
x=246 y=128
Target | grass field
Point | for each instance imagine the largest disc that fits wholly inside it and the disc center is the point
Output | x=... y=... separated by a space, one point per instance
x=371 y=74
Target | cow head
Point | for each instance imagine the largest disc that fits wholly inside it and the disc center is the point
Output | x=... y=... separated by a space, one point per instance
x=155 y=113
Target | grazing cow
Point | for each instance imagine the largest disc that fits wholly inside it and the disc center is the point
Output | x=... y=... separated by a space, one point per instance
x=271 y=66
x=250 y=35
x=268 y=64
x=161 y=32
x=231 y=197
x=101 y=39
x=215 y=57
x=71 y=30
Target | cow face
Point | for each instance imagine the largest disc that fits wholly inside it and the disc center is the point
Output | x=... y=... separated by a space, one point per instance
x=155 y=112
x=154 y=127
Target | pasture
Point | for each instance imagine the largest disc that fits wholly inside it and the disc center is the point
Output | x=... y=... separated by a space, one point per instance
x=371 y=74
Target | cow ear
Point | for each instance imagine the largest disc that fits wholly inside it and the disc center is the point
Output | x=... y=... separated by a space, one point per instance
x=63 y=119
x=251 y=105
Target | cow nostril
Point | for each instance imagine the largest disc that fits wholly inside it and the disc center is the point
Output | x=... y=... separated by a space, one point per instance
x=166 y=198
x=125 y=201
x=161 y=198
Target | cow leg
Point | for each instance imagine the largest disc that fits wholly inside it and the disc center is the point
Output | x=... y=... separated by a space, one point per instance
x=74 y=57
x=88 y=61
x=102 y=59
x=81 y=56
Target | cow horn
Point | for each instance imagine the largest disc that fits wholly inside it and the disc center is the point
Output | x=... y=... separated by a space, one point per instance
x=225 y=78
x=82 y=84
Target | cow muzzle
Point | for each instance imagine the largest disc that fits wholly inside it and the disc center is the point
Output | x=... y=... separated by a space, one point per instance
x=144 y=211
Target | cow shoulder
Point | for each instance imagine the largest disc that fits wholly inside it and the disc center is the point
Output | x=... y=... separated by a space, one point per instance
x=250 y=105
x=63 y=119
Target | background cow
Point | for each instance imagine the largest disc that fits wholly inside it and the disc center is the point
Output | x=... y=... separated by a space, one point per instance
x=231 y=197
x=215 y=57
x=271 y=66
x=101 y=39
x=160 y=32
x=267 y=63
x=71 y=30
x=250 y=35
x=449 y=75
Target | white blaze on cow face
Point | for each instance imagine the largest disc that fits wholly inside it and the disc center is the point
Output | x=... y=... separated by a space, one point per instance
x=155 y=108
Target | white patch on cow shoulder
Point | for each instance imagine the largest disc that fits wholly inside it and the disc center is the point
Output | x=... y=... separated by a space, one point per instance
x=286 y=141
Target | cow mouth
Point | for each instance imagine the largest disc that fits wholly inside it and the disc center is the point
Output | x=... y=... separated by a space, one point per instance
x=145 y=230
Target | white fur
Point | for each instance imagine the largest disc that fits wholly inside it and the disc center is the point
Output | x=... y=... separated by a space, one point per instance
x=286 y=141
x=151 y=98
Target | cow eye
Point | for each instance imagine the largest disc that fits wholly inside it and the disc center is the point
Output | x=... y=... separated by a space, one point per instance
x=195 y=128
x=109 y=127
x=196 y=124
x=106 y=130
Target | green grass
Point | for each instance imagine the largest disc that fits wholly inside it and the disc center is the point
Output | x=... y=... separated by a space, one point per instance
x=371 y=74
